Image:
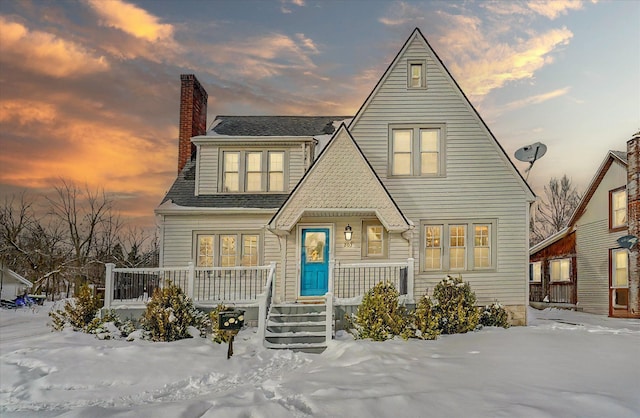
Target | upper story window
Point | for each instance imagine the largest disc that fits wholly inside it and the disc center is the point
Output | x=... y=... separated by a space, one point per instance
x=416 y=77
x=458 y=246
x=374 y=240
x=416 y=150
x=560 y=270
x=253 y=171
x=618 y=208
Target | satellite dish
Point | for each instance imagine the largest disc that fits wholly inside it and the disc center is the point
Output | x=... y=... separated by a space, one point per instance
x=628 y=241
x=530 y=154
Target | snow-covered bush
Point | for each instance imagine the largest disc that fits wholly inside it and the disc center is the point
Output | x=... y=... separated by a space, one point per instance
x=494 y=315
x=426 y=320
x=110 y=326
x=218 y=336
x=78 y=312
x=379 y=316
x=170 y=313
x=455 y=305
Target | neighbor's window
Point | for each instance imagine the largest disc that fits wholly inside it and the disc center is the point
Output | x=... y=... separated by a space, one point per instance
x=535 y=273
x=374 y=240
x=416 y=151
x=620 y=277
x=416 y=74
x=204 y=257
x=433 y=247
x=560 y=270
x=618 y=208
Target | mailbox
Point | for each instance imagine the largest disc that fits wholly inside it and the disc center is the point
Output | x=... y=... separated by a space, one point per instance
x=231 y=320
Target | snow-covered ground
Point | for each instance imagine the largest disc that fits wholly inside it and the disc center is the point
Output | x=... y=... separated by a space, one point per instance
x=566 y=364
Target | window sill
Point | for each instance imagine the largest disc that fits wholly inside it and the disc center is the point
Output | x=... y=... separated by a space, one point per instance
x=618 y=228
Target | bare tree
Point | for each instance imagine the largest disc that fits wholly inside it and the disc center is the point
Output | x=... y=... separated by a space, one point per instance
x=554 y=210
x=83 y=212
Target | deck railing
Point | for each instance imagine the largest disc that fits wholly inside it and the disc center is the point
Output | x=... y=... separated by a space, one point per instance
x=554 y=292
x=355 y=279
x=202 y=285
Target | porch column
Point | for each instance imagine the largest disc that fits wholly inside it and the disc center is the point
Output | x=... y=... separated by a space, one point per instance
x=108 y=285
x=332 y=264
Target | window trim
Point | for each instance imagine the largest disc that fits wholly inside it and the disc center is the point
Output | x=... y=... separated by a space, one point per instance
x=242 y=169
x=217 y=245
x=365 y=240
x=416 y=149
x=423 y=74
x=560 y=260
x=622 y=227
x=612 y=257
x=445 y=246
x=532 y=271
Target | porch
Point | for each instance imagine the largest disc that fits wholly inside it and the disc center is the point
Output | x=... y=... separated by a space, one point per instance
x=253 y=289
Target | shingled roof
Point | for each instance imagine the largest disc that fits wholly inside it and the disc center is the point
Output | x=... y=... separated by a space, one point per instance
x=182 y=194
x=620 y=154
x=274 y=125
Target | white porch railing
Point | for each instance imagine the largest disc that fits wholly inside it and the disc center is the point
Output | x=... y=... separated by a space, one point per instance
x=203 y=285
x=351 y=280
x=264 y=301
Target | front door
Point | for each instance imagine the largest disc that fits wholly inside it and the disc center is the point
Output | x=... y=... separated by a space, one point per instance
x=314 y=269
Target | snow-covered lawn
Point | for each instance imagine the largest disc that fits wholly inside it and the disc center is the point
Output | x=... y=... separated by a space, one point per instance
x=566 y=364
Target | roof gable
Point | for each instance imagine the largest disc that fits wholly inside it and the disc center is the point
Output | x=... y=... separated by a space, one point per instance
x=417 y=38
x=341 y=179
x=612 y=156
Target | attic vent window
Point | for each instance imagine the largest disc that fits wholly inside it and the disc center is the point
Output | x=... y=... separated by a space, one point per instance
x=416 y=74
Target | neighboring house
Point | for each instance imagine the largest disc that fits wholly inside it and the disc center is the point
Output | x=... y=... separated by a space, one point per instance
x=583 y=265
x=412 y=188
x=12 y=284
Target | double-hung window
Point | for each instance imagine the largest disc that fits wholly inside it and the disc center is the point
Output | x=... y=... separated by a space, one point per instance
x=416 y=74
x=618 y=208
x=620 y=277
x=416 y=150
x=227 y=249
x=560 y=270
x=253 y=171
x=458 y=245
x=374 y=239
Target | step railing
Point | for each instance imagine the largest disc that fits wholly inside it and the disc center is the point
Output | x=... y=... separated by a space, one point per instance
x=265 y=299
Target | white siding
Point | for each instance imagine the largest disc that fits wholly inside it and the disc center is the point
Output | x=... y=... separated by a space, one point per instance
x=478 y=182
x=207 y=170
x=593 y=241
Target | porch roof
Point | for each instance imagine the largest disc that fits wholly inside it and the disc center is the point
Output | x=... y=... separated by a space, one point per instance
x=341 y=182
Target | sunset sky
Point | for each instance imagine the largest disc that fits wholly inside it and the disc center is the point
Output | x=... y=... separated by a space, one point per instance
x=89 y=89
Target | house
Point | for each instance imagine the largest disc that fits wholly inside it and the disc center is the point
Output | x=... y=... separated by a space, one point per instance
x=12 y=284
x=584 y=265
x=301 y=212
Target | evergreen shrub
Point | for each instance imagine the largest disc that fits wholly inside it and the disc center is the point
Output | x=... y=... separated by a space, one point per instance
x=379 y=316
x=218 y=336
x=170 y=313
x=455 y=306
x=78 y=312
x=426 y=320
x=494 y=315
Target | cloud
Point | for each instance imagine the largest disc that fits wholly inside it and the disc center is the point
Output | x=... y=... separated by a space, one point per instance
x=554 y=8
x=45 y=53
x=285 y=9
x=527 y=101
x=402 y=13
x=131 y=19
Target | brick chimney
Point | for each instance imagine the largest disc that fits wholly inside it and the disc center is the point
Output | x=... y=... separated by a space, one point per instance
x=193 y=116
x=633 y=196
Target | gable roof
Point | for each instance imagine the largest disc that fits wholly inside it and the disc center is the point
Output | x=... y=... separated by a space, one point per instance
x=340 y=180
x=274 y=125
x=612 y=156
x=417 y=34
x=7 y=272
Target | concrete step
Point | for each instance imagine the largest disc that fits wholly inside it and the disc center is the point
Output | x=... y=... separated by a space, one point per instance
x=298 y=308
x=296 y=327
x=302 y=347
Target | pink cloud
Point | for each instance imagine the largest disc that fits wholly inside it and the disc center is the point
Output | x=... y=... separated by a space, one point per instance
x=131 y=19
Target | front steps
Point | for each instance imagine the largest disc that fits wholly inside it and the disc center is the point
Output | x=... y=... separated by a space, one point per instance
x=298 y=327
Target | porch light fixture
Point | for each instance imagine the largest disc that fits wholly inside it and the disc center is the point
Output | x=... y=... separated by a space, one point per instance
x=348 y=235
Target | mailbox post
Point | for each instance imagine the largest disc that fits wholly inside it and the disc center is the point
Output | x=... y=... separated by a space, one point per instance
x=231 y=322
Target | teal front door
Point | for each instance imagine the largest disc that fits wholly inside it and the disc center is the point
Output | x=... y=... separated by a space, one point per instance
x=314 y=269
